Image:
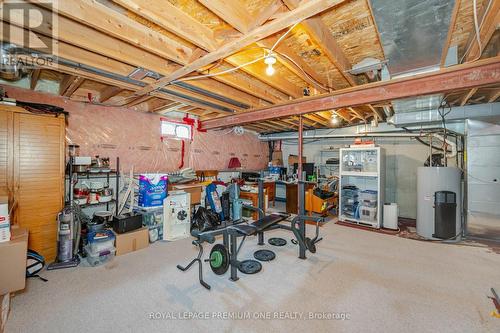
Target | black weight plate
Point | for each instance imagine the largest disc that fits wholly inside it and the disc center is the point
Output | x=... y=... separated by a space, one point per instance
x=249 y=266
x=264 y=255
x=276 y=241
x=225 y=259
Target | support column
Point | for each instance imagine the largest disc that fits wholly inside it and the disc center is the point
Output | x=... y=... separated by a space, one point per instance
x=261 y=204
x=299 y=145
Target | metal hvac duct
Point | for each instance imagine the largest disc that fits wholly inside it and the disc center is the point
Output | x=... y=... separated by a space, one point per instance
x=412 y=32
x=10 y=68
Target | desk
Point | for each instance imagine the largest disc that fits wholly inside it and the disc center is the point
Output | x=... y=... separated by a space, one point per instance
x=254 y=197
x=292 y=197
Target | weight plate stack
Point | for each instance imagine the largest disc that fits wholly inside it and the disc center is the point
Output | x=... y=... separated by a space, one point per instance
x=264 y=255
x=249 y=266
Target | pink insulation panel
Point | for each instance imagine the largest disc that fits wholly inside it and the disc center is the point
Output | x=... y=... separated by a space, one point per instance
x=135 y=137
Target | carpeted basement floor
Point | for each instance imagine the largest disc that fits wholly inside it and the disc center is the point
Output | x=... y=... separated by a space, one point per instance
x=381 y=283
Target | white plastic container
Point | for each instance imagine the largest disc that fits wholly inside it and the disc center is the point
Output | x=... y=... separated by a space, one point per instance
x=368 y=214
x=99 y=258
x=391 y=216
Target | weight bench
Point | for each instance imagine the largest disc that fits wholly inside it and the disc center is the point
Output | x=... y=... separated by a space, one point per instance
x=227 y=255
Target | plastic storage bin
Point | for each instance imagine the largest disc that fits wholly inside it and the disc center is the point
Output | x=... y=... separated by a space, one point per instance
x=101 y=240
x=368 y=214
x=368 y=195
x=99 y=257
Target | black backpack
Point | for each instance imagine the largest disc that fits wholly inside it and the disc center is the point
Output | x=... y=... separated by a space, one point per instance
x=34 y=264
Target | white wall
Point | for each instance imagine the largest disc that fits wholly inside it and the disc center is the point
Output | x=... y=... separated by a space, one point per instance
x=403 y=157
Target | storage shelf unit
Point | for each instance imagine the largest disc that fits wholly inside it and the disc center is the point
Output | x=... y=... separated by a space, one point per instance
x=326 y=169
x=363 y=168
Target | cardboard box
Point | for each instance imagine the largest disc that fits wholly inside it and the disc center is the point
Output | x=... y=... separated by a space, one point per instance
x=193 y=189
x=292 y=159
x=13 y=261
x=4 y=310
x=131 y=241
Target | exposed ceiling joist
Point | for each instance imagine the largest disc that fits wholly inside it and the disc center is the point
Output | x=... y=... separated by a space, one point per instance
x=137 y=101
x=264 y=14
x=468 y=96
x=494 y=96
x=451 y=28
x=169 y=17
x=302 y=12
x=107 y=20
x=490 y=23
x=109 y=93
x=234 y=14
x=287 y=52
x=320 y=32
x=35 y=75
x=477 y=74
x=69 y=85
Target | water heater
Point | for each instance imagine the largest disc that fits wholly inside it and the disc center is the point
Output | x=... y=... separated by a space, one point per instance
x=429 y=181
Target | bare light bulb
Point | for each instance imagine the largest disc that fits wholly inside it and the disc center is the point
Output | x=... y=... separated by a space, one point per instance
x=335 y=119
x=270 y=70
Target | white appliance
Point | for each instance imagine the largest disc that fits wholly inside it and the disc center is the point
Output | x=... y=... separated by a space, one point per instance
x=391 y=216
x=176 y=215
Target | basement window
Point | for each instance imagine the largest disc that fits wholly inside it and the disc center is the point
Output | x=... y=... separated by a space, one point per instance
x=175 y=130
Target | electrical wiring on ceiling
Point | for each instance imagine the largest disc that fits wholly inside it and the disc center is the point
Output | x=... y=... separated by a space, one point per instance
x=190 y=78
x=477 y=28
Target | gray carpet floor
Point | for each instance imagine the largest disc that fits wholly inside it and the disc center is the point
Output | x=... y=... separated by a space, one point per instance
x=358 y=281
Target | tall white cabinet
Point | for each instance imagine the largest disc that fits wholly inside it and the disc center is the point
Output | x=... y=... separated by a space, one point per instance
x=362 y=184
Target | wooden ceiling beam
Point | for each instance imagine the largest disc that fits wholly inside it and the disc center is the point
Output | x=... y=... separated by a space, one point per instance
x=357 y=114
x=376 y=112
x=35 y=75
x=69 y=85
x=260 y=16
x=308 y=9
x=234 y=14
x=109 y=93
x=494 y=96
x=490 y=23
x=275 y=81
x=318 y=30
x=173 y=19
x=137 y=101
x=468 y=96
x=112 y=23
x=341 y=114
x=466 y=76
x=282 y=48
x=87 y=38
x=451 y=29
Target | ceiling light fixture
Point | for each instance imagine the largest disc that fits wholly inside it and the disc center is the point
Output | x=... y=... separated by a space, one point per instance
x=270 y=60
x=335 y=120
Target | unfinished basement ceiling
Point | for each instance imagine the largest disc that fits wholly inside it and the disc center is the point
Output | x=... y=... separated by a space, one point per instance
x=166 y=36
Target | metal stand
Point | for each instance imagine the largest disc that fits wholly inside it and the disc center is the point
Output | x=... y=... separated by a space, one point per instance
x=302 y=223
x=260 y=235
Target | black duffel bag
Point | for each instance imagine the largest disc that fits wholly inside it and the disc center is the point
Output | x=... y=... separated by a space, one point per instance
x=204 y=220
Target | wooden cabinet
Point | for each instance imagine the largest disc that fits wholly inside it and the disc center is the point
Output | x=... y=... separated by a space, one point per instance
x=32 y=155
x=271 y=191
x=292 y=197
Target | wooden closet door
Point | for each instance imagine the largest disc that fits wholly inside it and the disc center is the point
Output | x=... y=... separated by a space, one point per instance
x=39 y=178
x=6 y=154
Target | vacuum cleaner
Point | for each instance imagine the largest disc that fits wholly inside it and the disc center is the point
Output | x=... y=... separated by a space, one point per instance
x=67 y=245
